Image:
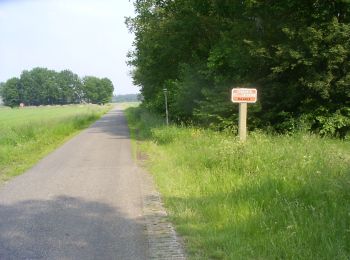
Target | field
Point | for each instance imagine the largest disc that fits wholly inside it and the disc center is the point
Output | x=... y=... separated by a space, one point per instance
x=27 y=135
x=274 y=197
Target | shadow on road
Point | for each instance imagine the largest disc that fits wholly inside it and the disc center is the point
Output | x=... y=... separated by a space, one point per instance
x=67 y=228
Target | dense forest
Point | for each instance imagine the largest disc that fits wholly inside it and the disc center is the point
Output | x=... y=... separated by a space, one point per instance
x=41 y=86
x=295 y=52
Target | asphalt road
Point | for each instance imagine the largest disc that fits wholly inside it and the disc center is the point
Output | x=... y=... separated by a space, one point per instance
x=83 y=201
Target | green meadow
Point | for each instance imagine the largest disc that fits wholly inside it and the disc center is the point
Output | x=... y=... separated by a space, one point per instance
x=28 y=134
x=273 y=197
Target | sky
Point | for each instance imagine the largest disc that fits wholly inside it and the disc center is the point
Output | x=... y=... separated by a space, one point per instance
x=88 y=37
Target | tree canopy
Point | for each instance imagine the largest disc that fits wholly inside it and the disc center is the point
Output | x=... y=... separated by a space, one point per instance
x=41 y=86
x=97 y=90
x=295 y=52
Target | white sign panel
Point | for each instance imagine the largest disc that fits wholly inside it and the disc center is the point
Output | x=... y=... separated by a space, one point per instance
x=244 y=95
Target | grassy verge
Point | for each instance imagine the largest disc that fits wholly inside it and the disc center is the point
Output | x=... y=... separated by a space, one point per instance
x=274 y=197
x=27 y=135
x=125 y=105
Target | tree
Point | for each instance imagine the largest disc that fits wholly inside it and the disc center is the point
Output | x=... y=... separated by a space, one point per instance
x=298 y=58
x=9 y=92
x=106 y=91
x=41 y=86
x=70 y=87
x=125 y=98
x=97 y=91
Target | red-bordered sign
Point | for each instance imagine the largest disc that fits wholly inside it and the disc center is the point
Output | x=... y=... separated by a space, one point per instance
x=244 y=95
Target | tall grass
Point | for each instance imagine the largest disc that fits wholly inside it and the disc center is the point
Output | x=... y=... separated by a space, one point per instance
x=273 y=197
x=26 y=135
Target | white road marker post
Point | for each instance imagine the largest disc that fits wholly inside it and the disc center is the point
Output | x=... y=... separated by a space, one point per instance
x=166 y=106
x=243 y=96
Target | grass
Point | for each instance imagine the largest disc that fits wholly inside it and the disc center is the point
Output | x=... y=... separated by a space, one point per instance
x=273 y=197
x=27 y=135
x=125 y=105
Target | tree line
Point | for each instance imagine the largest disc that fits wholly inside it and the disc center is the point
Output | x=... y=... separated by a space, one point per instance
x=125 y=98
x=41 y=86
x=295 y=52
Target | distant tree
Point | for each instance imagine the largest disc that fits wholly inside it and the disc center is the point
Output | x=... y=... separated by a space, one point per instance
x=126 y=98
x=1 y=87
x=70 y=87
x=97 y=91
x=41 y=86
x=90 y=89
x=106 y=91
x=9 y=92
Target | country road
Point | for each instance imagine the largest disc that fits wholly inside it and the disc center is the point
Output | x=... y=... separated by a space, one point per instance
x=83 y=201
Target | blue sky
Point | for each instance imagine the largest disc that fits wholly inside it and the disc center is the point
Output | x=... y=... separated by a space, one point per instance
x=88 y=37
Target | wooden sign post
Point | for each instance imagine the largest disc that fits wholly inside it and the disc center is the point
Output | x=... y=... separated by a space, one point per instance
x=243 y=96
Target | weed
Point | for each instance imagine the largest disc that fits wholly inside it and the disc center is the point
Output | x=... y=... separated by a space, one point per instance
x=273 y=197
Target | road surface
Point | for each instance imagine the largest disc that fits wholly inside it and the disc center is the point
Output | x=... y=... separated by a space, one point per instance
x=83 y=201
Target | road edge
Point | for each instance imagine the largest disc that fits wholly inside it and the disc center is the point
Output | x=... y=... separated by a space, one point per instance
x=163 y=241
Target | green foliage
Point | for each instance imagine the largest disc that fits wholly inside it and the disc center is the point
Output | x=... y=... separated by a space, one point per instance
x=9 y=92
x=97 y=91
x=70 y=87
x=334 y=124
x=41 y=86
x=274 y=197
x=298 y=59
